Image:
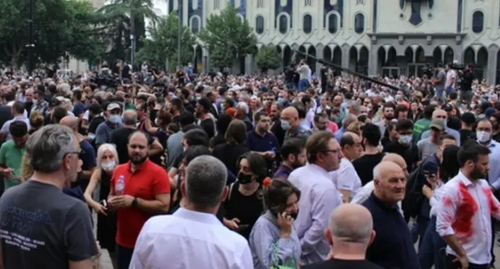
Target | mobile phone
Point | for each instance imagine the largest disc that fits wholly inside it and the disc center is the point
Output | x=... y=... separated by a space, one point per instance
x=104 y=203
x=243 y=226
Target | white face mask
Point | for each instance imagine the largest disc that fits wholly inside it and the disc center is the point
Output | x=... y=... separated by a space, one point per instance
x=108 y=166
x=405 y=140
x=483 y=136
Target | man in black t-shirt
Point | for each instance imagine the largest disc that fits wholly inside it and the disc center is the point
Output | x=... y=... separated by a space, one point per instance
x=350 y=232
x=404 y=146
x=205 y=121
x=468 y=120
x=41 y=226
x=371 y=155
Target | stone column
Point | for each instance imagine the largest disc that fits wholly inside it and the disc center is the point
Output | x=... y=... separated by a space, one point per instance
x=373 y=61
x=345 y=56
x=319 y=55
x=492 y=64
x=205 y=60
x=249 y=64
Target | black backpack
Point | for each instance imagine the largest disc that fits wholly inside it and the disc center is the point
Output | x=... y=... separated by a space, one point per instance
x=413 y=196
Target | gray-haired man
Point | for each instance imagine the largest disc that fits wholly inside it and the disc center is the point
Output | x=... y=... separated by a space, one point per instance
x=40 y=224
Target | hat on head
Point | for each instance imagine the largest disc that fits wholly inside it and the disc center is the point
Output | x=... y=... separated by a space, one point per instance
x=438 y=124
x=113 y=106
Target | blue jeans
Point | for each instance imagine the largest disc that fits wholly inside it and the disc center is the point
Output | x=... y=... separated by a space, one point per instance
x=124 y=256
x=418 y=229
x=439 y=93
x=449 y=90
x=303 y=84
x=432 y=250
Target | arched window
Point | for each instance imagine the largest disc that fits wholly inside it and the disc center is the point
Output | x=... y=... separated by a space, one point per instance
x=307 y=24
x=259 y=25
x=283 y=24
x=359 y=23
x=195 y=25
x=477 y=22
x=333 y=23
x=216 y=4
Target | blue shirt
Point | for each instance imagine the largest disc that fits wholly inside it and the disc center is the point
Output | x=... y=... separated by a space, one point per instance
x=283 y=172
x=449 y=131
x=256 y=142
x=393 y=244
x=494 y=172
x=103 y=132
x=339 y=133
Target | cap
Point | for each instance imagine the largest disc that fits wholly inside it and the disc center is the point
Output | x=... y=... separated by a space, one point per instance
x=468 y=118
x=113 y=106
x=438 y=124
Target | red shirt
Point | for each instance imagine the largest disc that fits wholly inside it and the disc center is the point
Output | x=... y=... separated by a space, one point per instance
x=146 y=182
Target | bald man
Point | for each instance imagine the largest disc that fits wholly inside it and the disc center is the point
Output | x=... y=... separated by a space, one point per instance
x=393 y=246
x=290 y=123
x=346 y=178
x=87 y=155
x=349 y=233
x=440 y=114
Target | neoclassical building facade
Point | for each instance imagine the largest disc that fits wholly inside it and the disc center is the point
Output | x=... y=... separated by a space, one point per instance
x=390 y=37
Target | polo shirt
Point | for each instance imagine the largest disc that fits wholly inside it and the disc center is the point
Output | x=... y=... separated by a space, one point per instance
x=103 y=132
x=146 y=182
x=256 y=142
x=11 y=157
x=393 y=245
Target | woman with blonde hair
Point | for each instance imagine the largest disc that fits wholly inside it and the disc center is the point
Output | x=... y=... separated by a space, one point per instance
x=107 y=160
x=36 y=121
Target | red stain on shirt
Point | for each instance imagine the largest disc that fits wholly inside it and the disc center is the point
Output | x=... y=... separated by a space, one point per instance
x=464 y=214
x=447 y=201
x=491 y=202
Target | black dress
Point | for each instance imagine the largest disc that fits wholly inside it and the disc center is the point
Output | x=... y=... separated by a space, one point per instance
x=106 y=225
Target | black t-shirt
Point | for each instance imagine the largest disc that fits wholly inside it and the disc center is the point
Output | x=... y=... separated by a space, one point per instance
x=410 y=154
x=343 y=264
x=229 y=154
x=43 y=226
x=365 y=164
x=208 y=126
x=119 y=137
x=468 y=134
x=495 y=137
x=94 y=123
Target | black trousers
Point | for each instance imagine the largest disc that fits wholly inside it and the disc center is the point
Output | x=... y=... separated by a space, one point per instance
x=124 y=256
x=456 y=265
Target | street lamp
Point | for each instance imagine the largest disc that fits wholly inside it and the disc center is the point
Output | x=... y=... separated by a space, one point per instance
x=179 y=34
x=31 y=44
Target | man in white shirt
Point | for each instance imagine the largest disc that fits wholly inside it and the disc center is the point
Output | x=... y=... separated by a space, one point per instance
x=451 y=77
x=465 y=210
x=319 y=195
x=345 y=178
x=193 y=237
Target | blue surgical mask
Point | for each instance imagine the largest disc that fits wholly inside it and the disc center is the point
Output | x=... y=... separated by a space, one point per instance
x=445 y=122
x=280 y=100
x=285 y=125
x=116 y=119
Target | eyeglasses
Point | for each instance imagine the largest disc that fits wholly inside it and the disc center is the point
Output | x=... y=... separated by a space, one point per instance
x=334 y=151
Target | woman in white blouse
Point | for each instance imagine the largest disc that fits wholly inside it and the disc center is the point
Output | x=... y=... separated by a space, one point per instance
x=273 y=240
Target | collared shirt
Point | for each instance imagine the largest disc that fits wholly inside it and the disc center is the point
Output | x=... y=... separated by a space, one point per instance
x=42 y=107
x=437 y=194
x=338 y=135
x=449 y=131
x=365 y=192
x=145 y=183
x=346 y=178
x=189 y=239
x=393 y=245
x=465 y=210
x=494 y=171
x=256 y=142
x=103 y=132
x=5 y=128
x=283 y=172
x=265 y=240
x=302 y=131
x=318 y=199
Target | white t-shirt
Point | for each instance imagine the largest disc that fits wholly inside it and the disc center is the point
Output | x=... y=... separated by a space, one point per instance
x=451 y=76
x=346 y=178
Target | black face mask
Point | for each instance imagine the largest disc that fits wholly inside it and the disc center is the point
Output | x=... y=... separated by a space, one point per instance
x=244 y=179
x=293 y=215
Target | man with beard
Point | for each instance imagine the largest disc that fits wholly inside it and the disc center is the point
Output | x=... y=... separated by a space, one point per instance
x=28 y=101
x=139 y=189
x=202 y=109
x=294 y=156
x=388 y=113
x=318 y=195
x=465 y=210
x=276 y=128
x=261 y=141
x=57 y=226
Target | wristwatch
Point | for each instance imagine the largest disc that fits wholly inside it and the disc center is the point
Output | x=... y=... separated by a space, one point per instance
x=135 y=202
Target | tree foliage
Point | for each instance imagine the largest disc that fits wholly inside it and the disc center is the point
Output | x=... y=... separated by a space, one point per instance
x=162 y=43
x=227 y=38
x=61 y=28
x=268 y=58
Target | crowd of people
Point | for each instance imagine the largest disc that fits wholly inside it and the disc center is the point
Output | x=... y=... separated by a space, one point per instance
x=223 y=171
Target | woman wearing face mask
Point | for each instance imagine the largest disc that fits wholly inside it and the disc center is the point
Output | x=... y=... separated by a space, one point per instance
x=273 y=241
x=244 y=203
x=107 y=160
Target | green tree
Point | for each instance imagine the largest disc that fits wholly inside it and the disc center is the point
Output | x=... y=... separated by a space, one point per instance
x=162 y=43
x=61 y=28
x=118 y=25
x=268 y=58
x=227 y=38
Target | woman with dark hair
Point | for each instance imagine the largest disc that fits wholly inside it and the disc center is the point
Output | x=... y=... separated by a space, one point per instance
x=273 y=240
x=414 y=114
x=234 y=146
x=244 y=202
x=430 y=252
x=221 y=126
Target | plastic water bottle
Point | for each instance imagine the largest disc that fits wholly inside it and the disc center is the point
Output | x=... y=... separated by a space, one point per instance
x=120 y=186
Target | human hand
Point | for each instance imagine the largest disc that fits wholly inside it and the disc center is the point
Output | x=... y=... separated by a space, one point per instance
x=100 y=209
x=464 y=261
x=7 y=172
x=427 y=191
x=120 y=201
x=269 y=154
x=232 y=224
x=285 y=222
x=431 y=179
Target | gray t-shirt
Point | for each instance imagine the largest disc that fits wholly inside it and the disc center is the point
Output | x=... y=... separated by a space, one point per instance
x=426 y=148
x=43 y=228
x=442 y=76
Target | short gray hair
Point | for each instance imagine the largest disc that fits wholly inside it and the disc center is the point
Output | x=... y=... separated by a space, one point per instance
x=47 y=147
x=351 y=228
x=243 y=106
x=355 y=106
x=206 y=178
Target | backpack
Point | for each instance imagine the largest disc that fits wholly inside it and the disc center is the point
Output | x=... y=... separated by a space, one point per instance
x=413 y=196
